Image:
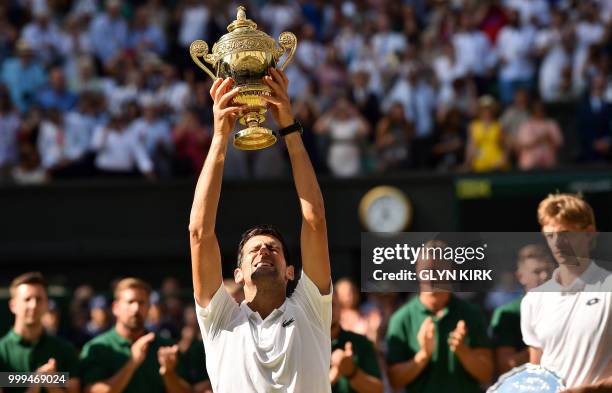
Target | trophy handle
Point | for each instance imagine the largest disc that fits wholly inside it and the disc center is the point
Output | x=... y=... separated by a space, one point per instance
x=199 y=48
x=287 y=42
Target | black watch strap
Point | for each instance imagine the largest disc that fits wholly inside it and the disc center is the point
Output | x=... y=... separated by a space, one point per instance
x=295 y=127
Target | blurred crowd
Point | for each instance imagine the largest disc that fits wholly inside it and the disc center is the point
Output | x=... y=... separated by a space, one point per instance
x=107 y=88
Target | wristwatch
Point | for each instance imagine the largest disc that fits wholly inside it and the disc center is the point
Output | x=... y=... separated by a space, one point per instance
x=295 y=127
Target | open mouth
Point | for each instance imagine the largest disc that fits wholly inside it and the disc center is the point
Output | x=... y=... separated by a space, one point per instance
x=263 y=264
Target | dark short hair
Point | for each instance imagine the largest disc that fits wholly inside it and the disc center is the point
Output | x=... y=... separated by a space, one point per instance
x=30 y=278
x=262 y=230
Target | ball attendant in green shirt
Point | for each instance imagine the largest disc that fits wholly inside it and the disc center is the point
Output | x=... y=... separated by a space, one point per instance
x=127 y=359
x=437 y=342
x=26 y=347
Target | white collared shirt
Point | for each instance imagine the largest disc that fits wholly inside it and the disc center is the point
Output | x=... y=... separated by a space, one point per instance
x=572 y=325
x=289 y=351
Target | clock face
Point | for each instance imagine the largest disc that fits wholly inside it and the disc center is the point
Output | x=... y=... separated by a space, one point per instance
x=387 y=213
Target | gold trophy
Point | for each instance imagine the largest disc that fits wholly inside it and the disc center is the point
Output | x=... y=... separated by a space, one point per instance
x=245 y=54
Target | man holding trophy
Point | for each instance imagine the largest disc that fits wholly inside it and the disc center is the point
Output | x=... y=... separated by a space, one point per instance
x=269 y=342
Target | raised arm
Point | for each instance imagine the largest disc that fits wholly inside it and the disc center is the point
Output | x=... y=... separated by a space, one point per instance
x=313 y=238
x=205 y=253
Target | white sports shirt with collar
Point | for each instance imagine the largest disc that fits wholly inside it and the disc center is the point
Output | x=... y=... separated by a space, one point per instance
x=572 y=325
x=287 y=352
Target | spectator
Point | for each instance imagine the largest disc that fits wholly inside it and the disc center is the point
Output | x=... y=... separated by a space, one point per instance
x=354 y=366
x=534 y=12
x=127 y=358
x=393 y=136
x=52 y=141
x=492 y=18
x=331 y=78
x=154 y=133
x=83 y=77
x=447 y=70
x=28 y=171
x=173 y=92
x=534 y=267
x=486 y=150
x=201 y=102
x=51 y=319
x=27 y=347
x=589 y=29
x=462 y=94
x=8 y=32
x=191 y=140
x=46 y=38
x=279 y=15
x=345 y=128
x=310 y=53
x=449 y=142
x=363 y=97
x=191 y=347
x=515 y=114
x=307 y=114
x=550 y=36
x=474 y=53
x=556 y=82
x=145 y=36
x=9 y=127
x=348 y=302
x=438 y=342
x=99 y=318
x=349 y=42
x=23 y=76
x=108 y=32
x=595 y=124
x=419 y=101
x=377 y=310
x=156 y=321
x=118 y=152
x=194 y=18
x=386 y=43
x=514 y=47
x=56 y=95
x=76 y=40
x=79 y=126
x=538 y=140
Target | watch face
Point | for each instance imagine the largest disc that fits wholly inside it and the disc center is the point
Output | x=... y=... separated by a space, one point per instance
x=387 y=213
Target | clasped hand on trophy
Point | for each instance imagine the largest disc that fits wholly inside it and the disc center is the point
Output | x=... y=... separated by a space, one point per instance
x=225 y=113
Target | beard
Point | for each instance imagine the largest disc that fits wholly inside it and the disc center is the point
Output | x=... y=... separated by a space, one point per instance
x=135 y=322
x=265 y=273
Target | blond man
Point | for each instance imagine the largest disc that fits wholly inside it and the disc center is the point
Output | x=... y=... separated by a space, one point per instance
x=127 y=358
x=567 y=321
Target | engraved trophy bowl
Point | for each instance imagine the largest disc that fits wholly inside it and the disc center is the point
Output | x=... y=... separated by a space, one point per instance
x=245 y=54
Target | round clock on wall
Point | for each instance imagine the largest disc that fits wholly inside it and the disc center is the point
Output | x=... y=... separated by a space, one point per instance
x=385 y=209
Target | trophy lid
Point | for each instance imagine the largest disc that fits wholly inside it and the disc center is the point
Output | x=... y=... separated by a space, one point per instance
x=241 y=21
x=243 y=36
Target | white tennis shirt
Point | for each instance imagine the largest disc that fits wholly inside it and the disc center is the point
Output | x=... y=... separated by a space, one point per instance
x=572 y=325
x=289 y=351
